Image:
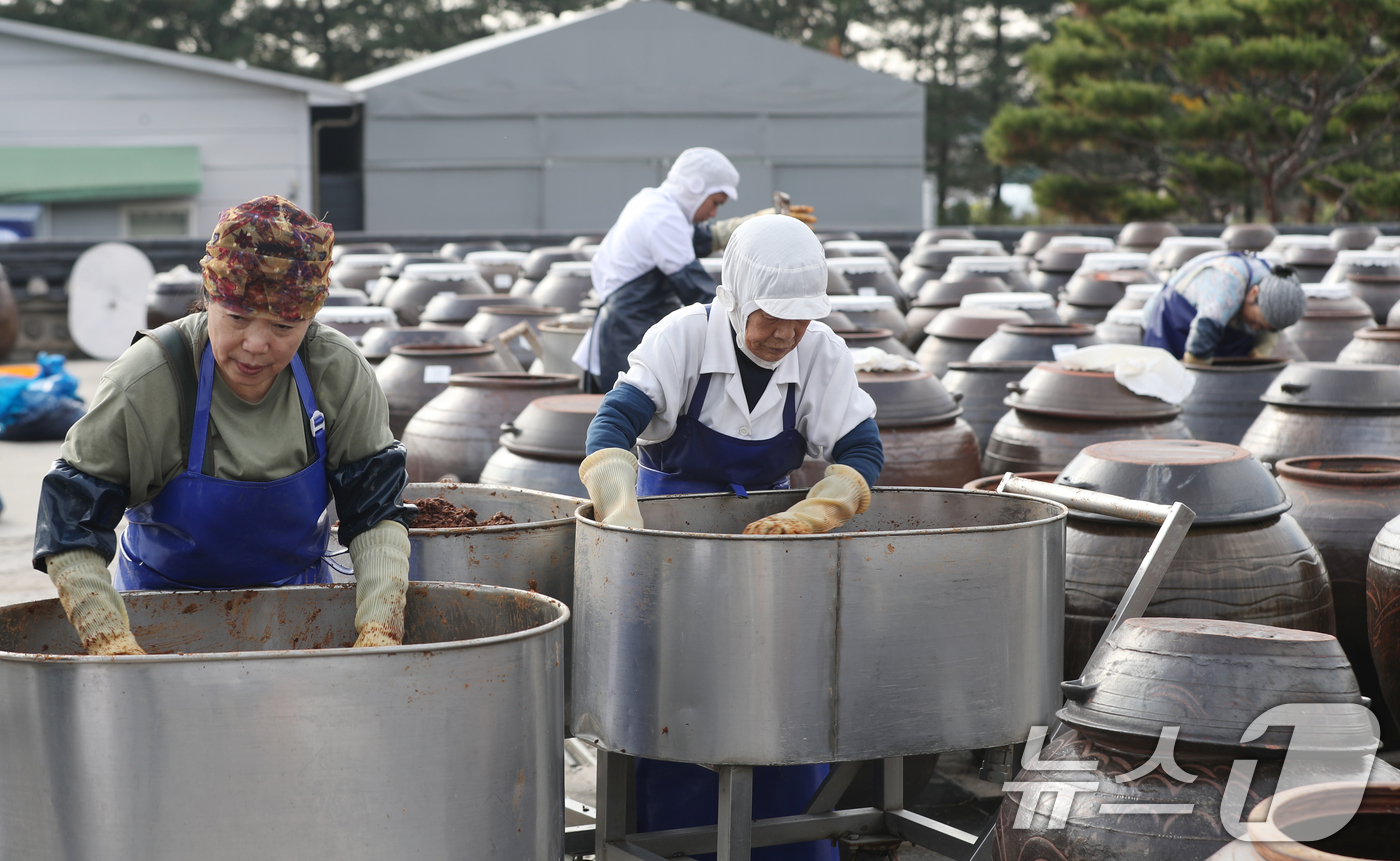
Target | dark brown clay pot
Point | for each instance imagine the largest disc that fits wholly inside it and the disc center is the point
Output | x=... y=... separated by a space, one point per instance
x=460 y=250
x=414 y=374
x=1050 y=283
x=943 y=292
x=926 y=444
x=882 y=338
x=916 y=321
x=420 y=282
x=560 y=340
x=872 y=312
x=1013 y=343
x=1342 y=503
x=1353 y=237
x=491 y=320
x=353 y=321
x=1033 y=240
x=1085 y=315
x=536 y=266
x=982 y=386
x=1249 y=237
x=1171 y=256
x=1321 y=408
x=455 y=433
x=1053 y=390
x=1091 y=291
x=1333 y=315
x=1383 y=610
x=1026 y=442
x=1066 y=255
x=1225 y=400
x=344 y=297
x=871 y=273
x=1145 y=235
x=1377 y=345
x=1007 y=270
x=498 y=268
x=1371 y=832
x=1207 y=679
x=1243 y=559
x=357 y=269
x=169 y=298
x=935 y=235
x=542 y=448
x=454 y=310
x=992 y=482
x=861 y=248
x=377 y=342
x=361 y=248
x=954 y=334
x=1121 y=326
x=566 y=285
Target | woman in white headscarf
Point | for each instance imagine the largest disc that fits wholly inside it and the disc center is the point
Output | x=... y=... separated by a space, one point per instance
x=733 y=397
x=647 y=266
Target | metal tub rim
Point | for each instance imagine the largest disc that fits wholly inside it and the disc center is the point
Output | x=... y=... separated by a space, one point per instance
x=285 y=654
x=415 y=532
x=1062 y=513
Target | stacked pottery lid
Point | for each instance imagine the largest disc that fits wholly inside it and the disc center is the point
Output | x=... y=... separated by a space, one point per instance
x=1122 y=326
x=1136 y=296
x=537 y=264
x=1248 y=237
x=1353 y=237
x=341 y=316
x=355 y=270
x=1212 y=679
x=934 y=235
x=441 y=272
x=1177 y=251
x=884 y=339
x=908 y=398
x=1038 y=306
x=1014 y=342
x=862 y=304
x=1331 y=385
x=1386 y=243
x=459 y=250
x=458 y=308
x=1310 y=255
x=944 y=293
x=1065 y=253
x=1381 y=266
x=552 y=427
x=377 y=342
x=1145 y=236
x=974 y=324
x=860 y=248
x=984 y=247
x=1011 y=270
x=1033 y=240
x=566 y=284
x=1051 y=389
x=1377 y=345
x=1221 y=483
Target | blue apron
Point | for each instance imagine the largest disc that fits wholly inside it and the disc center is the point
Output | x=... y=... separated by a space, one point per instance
x=1169 y=325
x=623 y=318
x=202 y=532
x=699 y=459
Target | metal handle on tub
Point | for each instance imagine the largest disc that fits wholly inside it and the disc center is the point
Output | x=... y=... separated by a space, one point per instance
x=1175 y=520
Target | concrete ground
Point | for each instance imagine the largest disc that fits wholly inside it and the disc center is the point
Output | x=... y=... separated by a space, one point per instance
x=22 y=468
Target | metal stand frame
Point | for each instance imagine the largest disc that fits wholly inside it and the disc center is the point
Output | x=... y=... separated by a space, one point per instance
x=868 y=831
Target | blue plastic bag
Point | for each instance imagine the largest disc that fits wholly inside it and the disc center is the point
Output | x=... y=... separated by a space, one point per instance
x=41 y=408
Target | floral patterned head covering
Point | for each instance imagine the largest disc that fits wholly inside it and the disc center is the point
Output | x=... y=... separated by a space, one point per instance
x=268 y=258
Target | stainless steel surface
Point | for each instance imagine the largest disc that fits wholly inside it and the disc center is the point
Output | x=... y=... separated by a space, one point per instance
x=262 y=737
x=508 y=469
x=695 y=643
x=1086 y=500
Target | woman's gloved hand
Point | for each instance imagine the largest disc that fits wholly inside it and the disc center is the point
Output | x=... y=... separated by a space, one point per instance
x=380 y=557
x=831 y=503
x=610 y=474
x=724 y=228
x=93 y=606
x=1196 y=360
x=1264 y=345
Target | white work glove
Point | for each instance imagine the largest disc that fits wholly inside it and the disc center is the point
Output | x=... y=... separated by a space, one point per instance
x=831 y=503
x=1189 y=359
x=610 y=474
x=723 y=229
x=1264 y=345
x=93 y=606
x=380 y=557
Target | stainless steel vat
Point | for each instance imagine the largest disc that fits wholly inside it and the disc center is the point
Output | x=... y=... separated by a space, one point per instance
x=933 y=622
x=254 y=734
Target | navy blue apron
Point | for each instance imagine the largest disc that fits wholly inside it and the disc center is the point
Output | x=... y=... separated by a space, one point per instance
x=202 y=532
x=699 y=459
x=623 y=318
x=1169 y=325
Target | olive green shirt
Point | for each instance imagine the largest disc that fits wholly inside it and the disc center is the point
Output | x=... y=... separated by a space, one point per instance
x=131 y=434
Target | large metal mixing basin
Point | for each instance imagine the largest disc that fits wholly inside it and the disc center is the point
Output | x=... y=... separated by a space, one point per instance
x=254 y=734
x=933 y=622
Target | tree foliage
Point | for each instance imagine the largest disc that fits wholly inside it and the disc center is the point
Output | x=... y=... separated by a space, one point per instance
x=1147 y=107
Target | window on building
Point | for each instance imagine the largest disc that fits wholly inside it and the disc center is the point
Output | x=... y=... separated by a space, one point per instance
x=143 y=222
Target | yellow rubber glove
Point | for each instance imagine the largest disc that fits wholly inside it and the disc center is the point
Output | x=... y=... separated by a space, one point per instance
x=831 y=503
x=1196 y=360
x=1264 y=345
x=380 y=557
x=610 y=474
x=723 y=229
x=93 y=606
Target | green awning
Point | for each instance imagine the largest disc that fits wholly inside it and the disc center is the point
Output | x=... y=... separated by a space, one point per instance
x=52 y=174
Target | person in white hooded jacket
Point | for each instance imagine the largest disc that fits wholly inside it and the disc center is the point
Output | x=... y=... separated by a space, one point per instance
x=647 y=265
x=734 y=397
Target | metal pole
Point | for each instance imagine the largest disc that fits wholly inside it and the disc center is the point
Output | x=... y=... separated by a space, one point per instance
x=1090 y=501
x=735 y=834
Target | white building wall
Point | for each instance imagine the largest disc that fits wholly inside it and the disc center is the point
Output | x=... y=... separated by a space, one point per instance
x=252 y=139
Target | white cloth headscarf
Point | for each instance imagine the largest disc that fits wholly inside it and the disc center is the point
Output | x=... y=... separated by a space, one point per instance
x=774 y=264
x=698 y=173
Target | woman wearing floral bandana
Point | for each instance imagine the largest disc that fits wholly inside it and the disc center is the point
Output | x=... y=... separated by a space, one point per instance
x=223 y=437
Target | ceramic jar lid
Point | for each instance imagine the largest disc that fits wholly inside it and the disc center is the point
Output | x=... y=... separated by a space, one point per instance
x=377 y=342
x=552 y=427
x=974 y=324
x=537 y=264
x=907 y=398
x=1053 y=390
x=1248 y=237
x=1221 y=483
x=1331 y=385
x=1212 y=679
x=944 y=292
x=1145 y=234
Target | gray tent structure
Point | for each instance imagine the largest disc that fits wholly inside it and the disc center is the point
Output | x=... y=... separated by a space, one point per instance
x=552 y=128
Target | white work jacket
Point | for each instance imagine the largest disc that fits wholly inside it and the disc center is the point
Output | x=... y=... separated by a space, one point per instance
x=683 y=346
